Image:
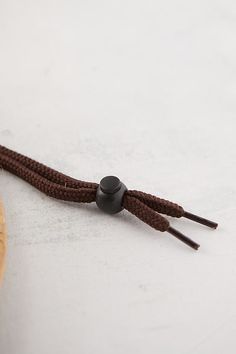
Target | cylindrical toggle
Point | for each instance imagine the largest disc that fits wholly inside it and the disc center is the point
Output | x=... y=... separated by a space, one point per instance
x=110 y=195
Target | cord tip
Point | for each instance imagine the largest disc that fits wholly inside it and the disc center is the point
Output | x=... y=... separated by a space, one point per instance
x=196 y=247
x=183 y=238
x=200 y=220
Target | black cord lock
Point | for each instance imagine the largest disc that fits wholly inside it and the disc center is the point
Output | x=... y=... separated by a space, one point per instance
x=110 y=193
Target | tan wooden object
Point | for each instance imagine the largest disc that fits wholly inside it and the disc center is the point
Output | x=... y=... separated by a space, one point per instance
x=2 y=240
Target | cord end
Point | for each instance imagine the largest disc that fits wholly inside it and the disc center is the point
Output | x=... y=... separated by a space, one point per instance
x=183 y=238
x=200 y=220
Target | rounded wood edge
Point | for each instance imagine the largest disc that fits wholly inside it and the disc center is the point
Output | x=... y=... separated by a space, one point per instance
x=3 y=240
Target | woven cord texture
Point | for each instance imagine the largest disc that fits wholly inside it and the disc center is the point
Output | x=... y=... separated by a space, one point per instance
x=160 y=205
x=146 y=214
x=52 y=189
x=57 y=185
x=45 y=171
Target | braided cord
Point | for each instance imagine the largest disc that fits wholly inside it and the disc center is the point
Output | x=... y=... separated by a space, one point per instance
x=45 y=171
x=52 y=189
x=145 y=213
x=55 y=184
x=60 y=186
x=160 y=205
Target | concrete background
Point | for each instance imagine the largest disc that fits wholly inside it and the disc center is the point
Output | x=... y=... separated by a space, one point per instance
x=145 y=90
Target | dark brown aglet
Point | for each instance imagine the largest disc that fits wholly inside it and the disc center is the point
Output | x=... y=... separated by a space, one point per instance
x=183 y=238
x=200 y=220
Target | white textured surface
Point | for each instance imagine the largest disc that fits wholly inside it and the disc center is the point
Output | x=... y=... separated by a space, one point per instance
x=145 y=90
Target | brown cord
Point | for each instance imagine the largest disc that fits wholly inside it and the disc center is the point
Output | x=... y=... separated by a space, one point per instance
x=57 y=185
x=45 y=171
x=145 y=213
x=160 y=205
x=52 y=189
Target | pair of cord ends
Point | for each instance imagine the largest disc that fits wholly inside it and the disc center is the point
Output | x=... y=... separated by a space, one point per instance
x=109 y=198
x=187 y=240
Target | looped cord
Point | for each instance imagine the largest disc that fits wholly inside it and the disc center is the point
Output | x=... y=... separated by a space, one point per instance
x=144 y=206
